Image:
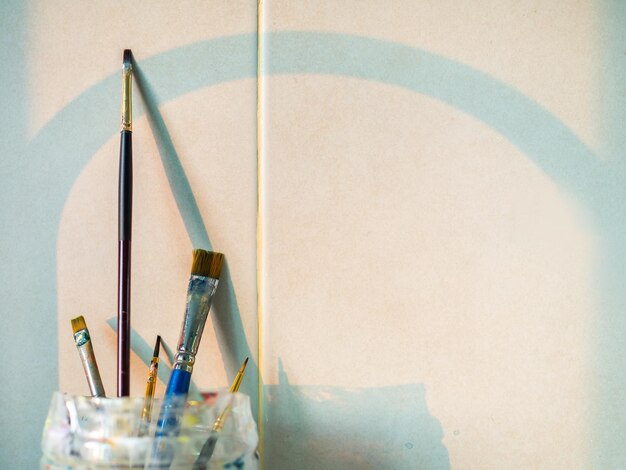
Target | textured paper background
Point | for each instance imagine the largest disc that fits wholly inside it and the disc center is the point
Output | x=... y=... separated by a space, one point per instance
x=439 y=232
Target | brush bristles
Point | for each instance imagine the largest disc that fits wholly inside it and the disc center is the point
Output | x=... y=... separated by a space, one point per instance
x=157 y=347
x=78 y=324
x=127 y=57
x=207 y=263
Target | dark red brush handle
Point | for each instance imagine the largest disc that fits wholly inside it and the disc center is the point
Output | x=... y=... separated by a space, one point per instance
x=123 y=320
x=123 y=278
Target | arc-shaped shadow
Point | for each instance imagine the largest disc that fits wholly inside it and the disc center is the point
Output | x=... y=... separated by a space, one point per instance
x=53 y=161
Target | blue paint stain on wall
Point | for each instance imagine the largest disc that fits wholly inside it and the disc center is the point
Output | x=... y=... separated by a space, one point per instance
x=37 y=184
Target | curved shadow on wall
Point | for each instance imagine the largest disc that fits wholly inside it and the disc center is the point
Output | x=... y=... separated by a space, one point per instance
x=53 y=161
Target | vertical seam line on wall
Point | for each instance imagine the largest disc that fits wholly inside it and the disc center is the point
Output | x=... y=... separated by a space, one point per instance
x=259 y=229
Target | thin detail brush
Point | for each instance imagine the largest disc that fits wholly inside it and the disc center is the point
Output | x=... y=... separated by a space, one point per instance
x=150 y=387
x=209 y=446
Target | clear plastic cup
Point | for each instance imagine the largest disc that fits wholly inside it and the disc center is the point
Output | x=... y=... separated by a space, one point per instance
x=103 y=433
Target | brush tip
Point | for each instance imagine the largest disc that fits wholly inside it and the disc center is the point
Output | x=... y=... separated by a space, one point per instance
x=128 y=59
x=157 y=346
x=78 y=324
x=207 y=263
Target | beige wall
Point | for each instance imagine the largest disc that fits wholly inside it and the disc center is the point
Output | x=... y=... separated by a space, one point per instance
x=426 y=288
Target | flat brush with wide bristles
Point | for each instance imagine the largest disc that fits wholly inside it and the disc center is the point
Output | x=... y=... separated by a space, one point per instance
x=206 y=267
x=207 y=263
x=87 y=356
x=205 y=272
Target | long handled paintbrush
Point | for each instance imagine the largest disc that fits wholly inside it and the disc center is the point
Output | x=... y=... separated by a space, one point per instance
x=205 y=273
x=125 y=212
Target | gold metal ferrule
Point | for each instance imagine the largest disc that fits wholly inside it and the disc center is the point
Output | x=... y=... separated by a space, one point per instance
x=219 y=422
x=127 y=97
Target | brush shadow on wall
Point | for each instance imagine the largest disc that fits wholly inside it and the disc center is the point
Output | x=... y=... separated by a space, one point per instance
x=376 y=426
x=541 y=136
x=314 y=427
x=225 y=314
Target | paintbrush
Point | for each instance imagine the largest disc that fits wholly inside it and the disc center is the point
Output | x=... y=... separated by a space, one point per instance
x=125 y=210
x=209 y=446
x=150 y=387
x=205 y=272
x=87 y=356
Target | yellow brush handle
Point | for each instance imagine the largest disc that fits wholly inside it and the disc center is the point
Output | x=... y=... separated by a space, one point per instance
x=150 y=386
x=234 y=388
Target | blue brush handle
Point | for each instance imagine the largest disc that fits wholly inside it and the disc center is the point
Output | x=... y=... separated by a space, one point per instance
x=178 y=383
x=173 y=402
x=169 y=418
